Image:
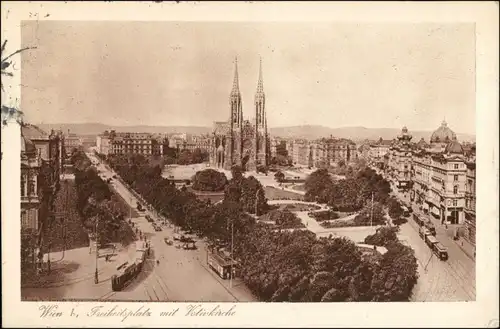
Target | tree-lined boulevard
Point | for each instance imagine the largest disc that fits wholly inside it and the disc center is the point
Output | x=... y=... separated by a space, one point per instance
x=312 y=263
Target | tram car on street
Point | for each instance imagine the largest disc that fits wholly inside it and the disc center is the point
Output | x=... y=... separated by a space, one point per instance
x=221 y=265
x=129 y=270
x=423 y=232
x=418 y=220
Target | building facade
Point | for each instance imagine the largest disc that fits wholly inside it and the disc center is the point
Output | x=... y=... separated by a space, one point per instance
x=302 y=153
x=72 y=141
x=378 y=150
x=439 y=183
x=470 y=203
x=400 y=161
x=41 y=169
x=238 y=141
x=112 y=142
x=103 y=142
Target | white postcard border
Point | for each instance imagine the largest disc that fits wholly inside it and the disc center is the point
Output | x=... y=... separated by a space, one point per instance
x=483 y=312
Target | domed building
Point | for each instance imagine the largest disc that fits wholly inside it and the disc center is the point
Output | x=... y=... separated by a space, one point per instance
x=443 y=134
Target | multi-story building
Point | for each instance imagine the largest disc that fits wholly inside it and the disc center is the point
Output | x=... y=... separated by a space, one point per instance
x=301 y=153
x=439 y=182
x=202 y=142
x=31 y=164
x=103 y=143
x=72 y=141
x=319 y=155
x=41 y=167
x=470 y=203
x=113 y=142
x=400 y=161
x=379 y=149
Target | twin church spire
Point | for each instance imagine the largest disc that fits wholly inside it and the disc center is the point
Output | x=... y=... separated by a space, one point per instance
x=236 y=82
x=236 y=104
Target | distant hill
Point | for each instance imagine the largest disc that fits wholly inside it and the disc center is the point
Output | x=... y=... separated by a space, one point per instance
x=97 y=128
x=354 y=133
x=304 y=131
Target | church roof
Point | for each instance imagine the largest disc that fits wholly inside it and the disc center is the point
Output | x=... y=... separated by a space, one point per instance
x=221 y=128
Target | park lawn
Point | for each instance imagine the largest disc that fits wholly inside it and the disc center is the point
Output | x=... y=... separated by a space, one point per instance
x=300 y=187
x=273 y=193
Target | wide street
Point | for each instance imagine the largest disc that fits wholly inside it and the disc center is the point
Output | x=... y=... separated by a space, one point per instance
x=181 y=275
x=438 y=280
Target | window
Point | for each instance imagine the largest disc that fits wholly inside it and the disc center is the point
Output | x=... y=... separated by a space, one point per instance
x=455 y=165
x=455 y=189
x=455 y=178
x=23 y=185
x=454 y=203
x=31 y=187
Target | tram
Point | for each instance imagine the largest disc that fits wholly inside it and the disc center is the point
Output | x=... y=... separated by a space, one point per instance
x=221 y=265
x=127 y=271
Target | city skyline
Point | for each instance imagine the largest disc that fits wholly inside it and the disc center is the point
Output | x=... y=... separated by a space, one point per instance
x=314 y=74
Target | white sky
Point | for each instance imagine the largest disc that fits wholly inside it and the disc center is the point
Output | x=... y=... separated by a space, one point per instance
x=166 y=73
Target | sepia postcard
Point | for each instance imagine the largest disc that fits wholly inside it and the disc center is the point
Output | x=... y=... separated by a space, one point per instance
x=272 y=164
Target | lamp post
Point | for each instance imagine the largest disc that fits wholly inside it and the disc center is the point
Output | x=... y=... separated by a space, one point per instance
x=96 y=276
x=371 y=213
x=232 y=254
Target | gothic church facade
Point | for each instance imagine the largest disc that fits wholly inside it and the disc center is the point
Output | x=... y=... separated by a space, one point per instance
x=242 y=142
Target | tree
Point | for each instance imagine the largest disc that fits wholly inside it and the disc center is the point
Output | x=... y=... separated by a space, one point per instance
x=279 y=176
x=371 y=215
x=283 y=218
x=317 y=184
x=384 y=236
x=236 y=172
x=397 y=276
x=199 y=156
x=321 y=283
x=252 y=196
x=209 y=180
x=262 y=169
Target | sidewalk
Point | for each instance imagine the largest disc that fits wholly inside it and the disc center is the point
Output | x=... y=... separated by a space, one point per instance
x=79 y=265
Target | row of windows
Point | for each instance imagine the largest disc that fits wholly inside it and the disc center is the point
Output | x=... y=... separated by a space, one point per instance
x=28 y=187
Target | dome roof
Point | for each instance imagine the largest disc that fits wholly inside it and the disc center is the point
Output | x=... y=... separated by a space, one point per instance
x=27 y=146
x=454 y=148
x=443 y=134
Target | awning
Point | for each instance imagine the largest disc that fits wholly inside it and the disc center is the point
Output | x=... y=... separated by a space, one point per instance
x=435 y=211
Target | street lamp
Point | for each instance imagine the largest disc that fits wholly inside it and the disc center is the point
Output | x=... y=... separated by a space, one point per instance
x=96 y=276
x=232 y=254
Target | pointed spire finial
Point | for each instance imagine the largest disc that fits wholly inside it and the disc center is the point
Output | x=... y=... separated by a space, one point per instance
x=260 y=83
x=236 y=84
